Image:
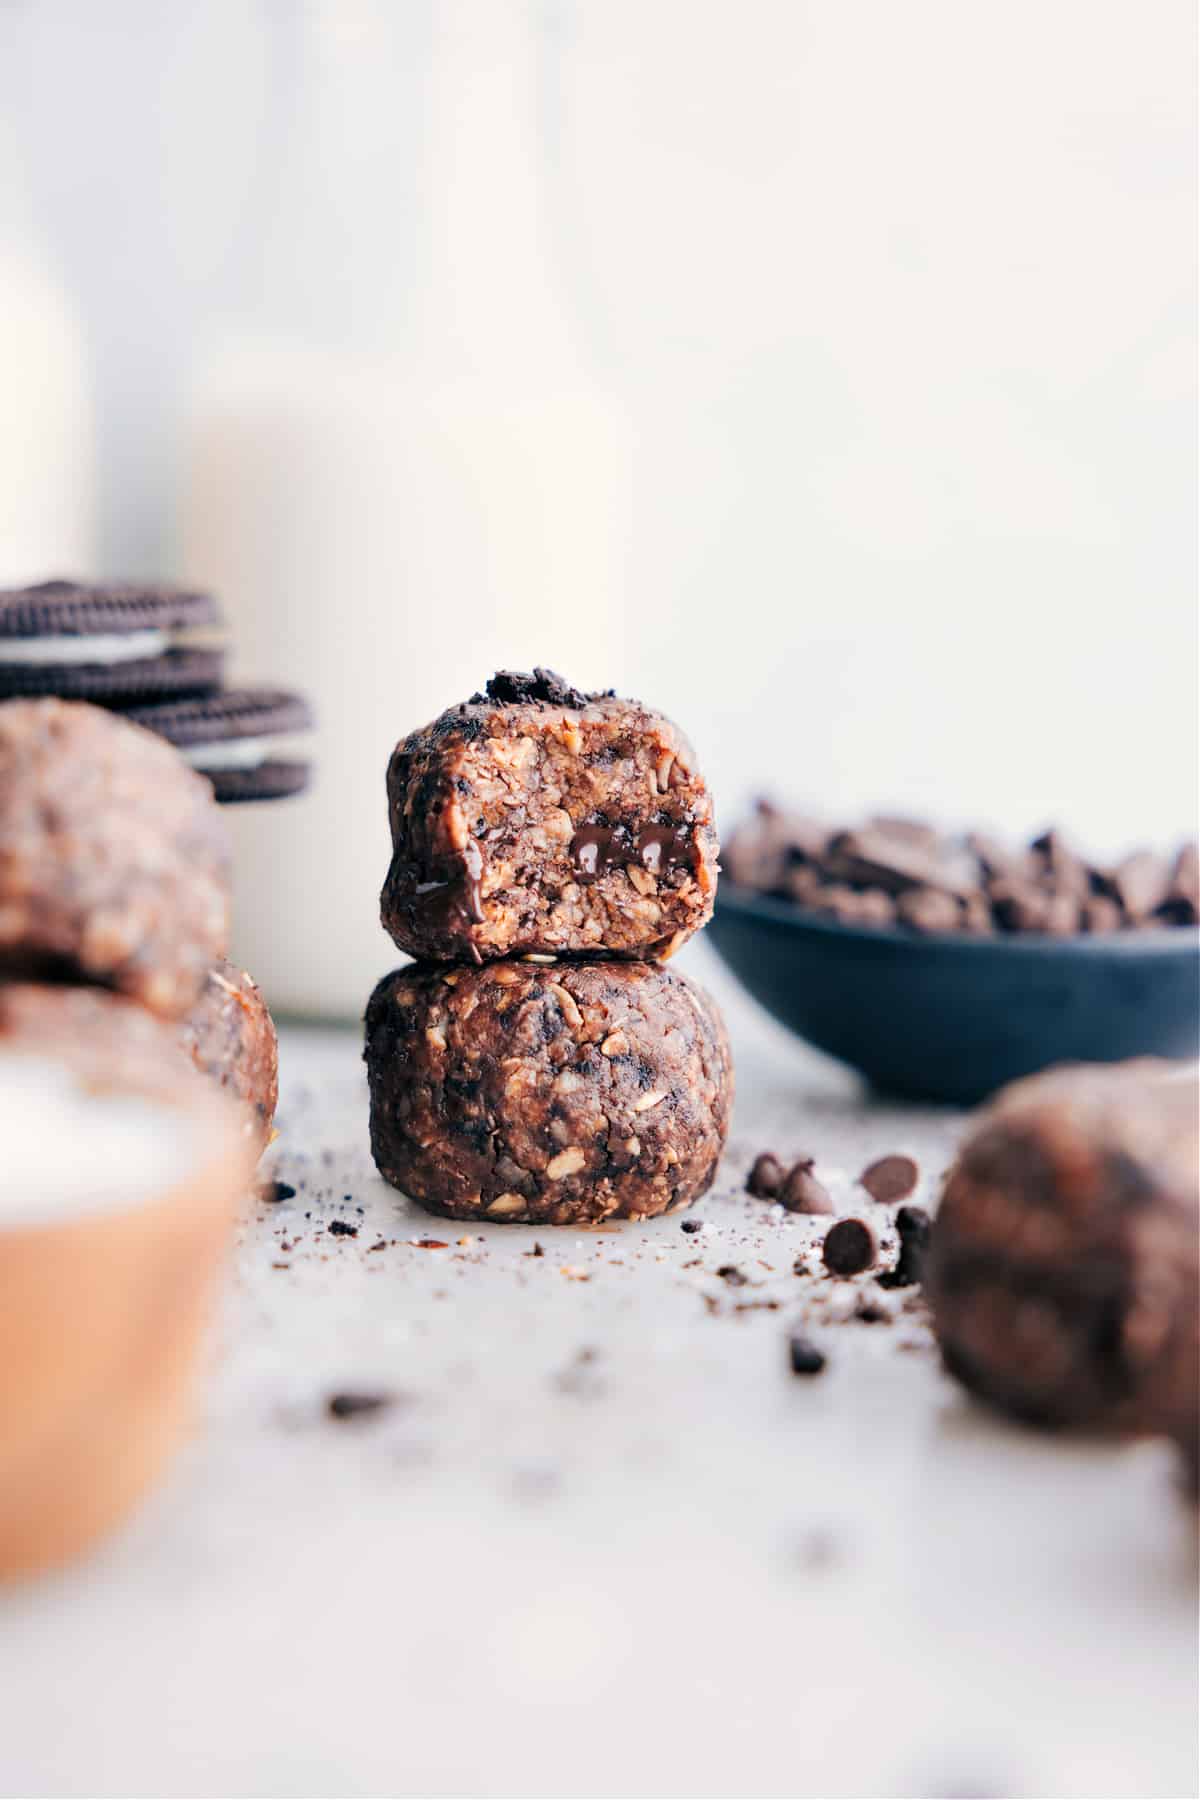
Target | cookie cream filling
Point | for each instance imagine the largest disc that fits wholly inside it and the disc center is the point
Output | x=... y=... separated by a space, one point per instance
x=107 y=646
x=244 y=752
x=71 y=1149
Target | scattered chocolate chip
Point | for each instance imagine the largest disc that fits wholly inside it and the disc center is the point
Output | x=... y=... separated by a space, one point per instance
x=339 y=1228
x=802 y=1192
x=691 y=1225
x=536 y=1251
x=352 y=1406
x=868 y=1312
x=849 y=1247
x=730 y=1273
x=890 y=1178
x=804 y=1357
x=766 y=1177
x=913 y=1224
x=277 y=1191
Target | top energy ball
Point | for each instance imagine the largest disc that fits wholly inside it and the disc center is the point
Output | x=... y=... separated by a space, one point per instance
x=535 y=819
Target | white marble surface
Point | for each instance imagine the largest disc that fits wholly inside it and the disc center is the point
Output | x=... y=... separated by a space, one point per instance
x=664 y=1568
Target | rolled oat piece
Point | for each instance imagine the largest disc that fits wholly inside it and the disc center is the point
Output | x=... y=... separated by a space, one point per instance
x=114 y=863
x=547 y=1093
x=230 y=1036
x=1063 y=1266
x=537 y=818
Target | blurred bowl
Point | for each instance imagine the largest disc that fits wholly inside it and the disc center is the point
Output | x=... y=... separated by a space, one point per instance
x=952 y=1018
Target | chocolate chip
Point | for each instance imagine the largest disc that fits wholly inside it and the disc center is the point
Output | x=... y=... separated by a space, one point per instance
x=849 y=1247
x=766 y=1177
x=804 y=1357
x=339 y=1228
x=890 y=1178
x=802 y=1192
x=352 y=1406
x=926 y=909
x=691 y=1225
x=276 y=1191
x=1142 y=883
x=913 y=1224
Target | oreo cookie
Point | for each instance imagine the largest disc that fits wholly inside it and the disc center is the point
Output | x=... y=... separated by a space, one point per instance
x=115 y=645
x=252 y=743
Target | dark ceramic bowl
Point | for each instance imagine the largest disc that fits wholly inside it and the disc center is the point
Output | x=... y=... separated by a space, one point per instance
x=953 y=1018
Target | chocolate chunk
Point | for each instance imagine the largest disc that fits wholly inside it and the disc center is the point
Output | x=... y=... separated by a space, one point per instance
x=1063 y=872
x=801 y=1192
x=890 y=1178
x=353 y=1406
x=925 y=909
x=1142 y=883
x=1099 y=914
x=512 y=687
x=766 y=1177
x=872 y=858
x=849 y=1247
x=339 y=1228
x=276 y=1191
x=804 y=1357
x=913 y=1225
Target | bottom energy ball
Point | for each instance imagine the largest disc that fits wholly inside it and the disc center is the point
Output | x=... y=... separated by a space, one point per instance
x=1063 y=1270
x=539 y=1093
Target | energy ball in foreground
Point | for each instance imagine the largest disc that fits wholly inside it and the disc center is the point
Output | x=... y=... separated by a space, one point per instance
x=547 y=1093
x=537 y=818
x=230 y=1036
x=114 y=862
x=1063 y=1267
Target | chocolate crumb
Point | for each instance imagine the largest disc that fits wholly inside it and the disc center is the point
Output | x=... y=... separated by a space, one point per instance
x=339 y=1228
x=849 y=1247
x=351 y=1406
x=690 y=1225
x=802 y=1192
x=429 y=1244
x=536 y=1251
x=913 y=1224
x=277 y=1191
x=890 y=1178
x=868 y=1312
x=732 y=1274
x=766 y=1177
x=804 y=1357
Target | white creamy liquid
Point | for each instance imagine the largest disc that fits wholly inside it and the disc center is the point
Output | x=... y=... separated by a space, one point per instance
x=67 y=1151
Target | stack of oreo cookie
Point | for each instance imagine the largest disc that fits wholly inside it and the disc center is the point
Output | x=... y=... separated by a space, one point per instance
x=157 y=655
x=539 y=1063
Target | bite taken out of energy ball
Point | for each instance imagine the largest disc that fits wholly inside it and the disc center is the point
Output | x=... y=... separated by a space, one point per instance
x=114 y=861
x=1063 y=1267
x=230 y=1036
x=535 y=818
x=542 y=1093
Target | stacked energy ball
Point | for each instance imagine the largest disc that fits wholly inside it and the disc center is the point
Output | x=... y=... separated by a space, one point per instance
x=539 y=1063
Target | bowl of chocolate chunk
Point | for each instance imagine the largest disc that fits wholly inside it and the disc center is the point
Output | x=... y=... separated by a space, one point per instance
x=942 y=967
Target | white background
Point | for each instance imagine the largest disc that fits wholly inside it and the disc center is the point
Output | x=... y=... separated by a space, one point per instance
x=823 y=373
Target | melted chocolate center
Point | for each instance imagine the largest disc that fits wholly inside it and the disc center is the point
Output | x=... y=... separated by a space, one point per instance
x=658 y=848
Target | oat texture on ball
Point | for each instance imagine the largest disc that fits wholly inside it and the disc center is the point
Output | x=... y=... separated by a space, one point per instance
x=536 y=818
x=114 y=862
x=1063 y=1266
x=230 y=1036
x=547 y=1093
